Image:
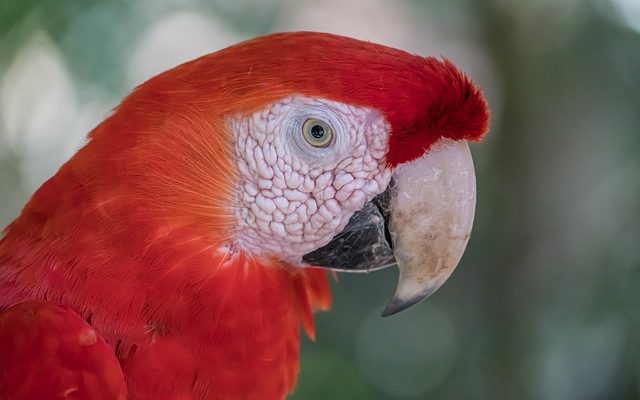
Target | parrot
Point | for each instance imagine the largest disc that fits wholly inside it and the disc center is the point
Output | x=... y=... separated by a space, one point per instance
x=182 y=251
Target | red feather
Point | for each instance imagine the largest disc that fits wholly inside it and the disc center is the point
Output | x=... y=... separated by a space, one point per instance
x=422 y=98
x=48 y=352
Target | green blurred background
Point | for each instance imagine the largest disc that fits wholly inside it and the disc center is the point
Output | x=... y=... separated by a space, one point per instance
x=545 y=303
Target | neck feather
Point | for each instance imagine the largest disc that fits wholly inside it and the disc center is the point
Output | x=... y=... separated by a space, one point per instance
x=168 y=293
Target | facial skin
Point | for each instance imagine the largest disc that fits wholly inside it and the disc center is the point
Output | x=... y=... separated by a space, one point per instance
x=294 y=196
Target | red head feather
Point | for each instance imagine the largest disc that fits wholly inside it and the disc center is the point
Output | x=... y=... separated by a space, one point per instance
x=423 y=98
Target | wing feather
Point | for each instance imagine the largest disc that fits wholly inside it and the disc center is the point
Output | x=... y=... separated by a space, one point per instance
x=48 y=352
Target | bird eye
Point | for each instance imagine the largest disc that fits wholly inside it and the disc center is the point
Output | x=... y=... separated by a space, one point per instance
x=317 y=133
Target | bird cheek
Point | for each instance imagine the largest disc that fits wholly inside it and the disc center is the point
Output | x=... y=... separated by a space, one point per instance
x=356 y=201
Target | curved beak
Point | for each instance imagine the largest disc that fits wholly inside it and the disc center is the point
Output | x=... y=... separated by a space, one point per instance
x=421 y=223
x=431 y=220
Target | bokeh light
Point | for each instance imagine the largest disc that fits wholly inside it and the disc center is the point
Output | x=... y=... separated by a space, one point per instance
x=407 y=355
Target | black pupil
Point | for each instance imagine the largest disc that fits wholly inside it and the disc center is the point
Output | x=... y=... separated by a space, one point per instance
x=317 y=132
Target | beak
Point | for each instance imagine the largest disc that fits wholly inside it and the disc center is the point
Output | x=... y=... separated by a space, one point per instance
x=421 y=223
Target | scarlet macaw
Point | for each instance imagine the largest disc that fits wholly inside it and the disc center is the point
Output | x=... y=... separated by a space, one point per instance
x=178 y=253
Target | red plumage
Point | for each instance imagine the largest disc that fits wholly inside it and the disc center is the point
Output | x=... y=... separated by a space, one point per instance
x=422 y=98
x=48 y=352
x=131 y=233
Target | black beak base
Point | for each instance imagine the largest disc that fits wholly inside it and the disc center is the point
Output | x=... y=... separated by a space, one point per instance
x=364 y=244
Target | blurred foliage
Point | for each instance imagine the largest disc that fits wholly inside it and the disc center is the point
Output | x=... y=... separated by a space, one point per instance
x=545 y=303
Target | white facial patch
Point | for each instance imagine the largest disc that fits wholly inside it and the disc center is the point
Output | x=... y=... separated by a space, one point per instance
x=294 y=197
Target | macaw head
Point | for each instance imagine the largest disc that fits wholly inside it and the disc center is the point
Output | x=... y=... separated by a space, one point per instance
x=313 y=150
